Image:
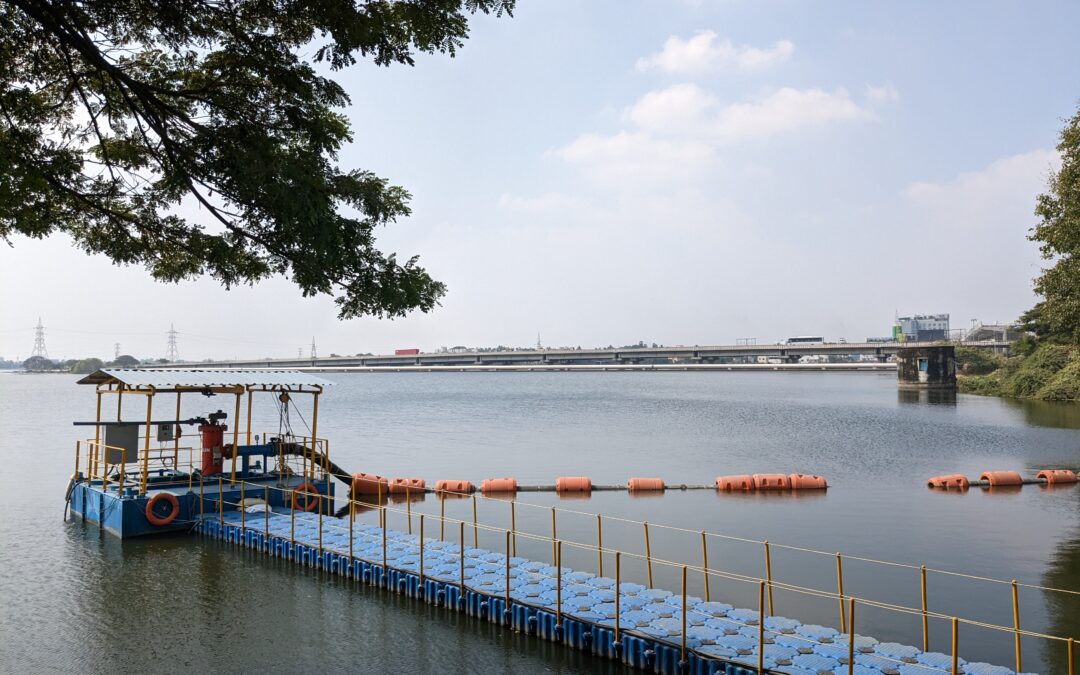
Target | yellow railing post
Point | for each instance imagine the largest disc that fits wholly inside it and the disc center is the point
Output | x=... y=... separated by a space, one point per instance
x=423 y=595
x=506 y=572
x=1016 y=623
x=599 y=547
x=201 y=510
x=76 y=474
x=247 y=420
x=684 y=612
x=442 y=516
x=840 y=591
x=146 y=443
x=925 y=620
x=955 y=656
x=475 y=531
x=553 y=535
x=292 y=525
x=352 y=526
x=408 y=508
x=648 y=554
x=235 y=440
x=618 y=594
x=705 y=563
x=176 y=438
x=851 y=636
x=768 y=575
x=320 y=529
x=1069 y=653
x=386 y=578
x=513 y=526
x=461 y=563
x=761 y=627
x=558 y=586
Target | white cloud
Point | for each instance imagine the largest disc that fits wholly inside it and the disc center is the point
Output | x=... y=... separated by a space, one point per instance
x=688 y=109
x=547 y=202
x=884 y=93
x=629 y=159
x=1008 y=184
x=704 y=52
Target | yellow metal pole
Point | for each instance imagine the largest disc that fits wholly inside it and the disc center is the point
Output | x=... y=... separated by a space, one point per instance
x=684 y=612
x=1072 y=660
x=221 y=501
x=352 y=521
x=955 y=656
x=761 y=627
x=176 y=437
x=513 y=525
x=235 y=440
x=119 y=400
x=408 y=507
x=1016 y=623
x=506 y=572
x=442 y=517
x=851 y=637
x=292 y=525
x=768 y=576
x=648 y=554
x=599 y=547
x=461 y=562
x=925 y=620
x=618 y=593
x=475 y=531
x=553 y=535
x=705 y=563
x=146 y=443
x=315 y=434
x=386 y=579
x=97 y=435
x=201 y=511
x=422 y=594
x=76 y=474
x=247 y=420
x=558 y=584
x=840 y=591
x=320 y=531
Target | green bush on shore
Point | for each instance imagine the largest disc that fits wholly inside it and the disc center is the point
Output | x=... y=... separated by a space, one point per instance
x=1050 y=372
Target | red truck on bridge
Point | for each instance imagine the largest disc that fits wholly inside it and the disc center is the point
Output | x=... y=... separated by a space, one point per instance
x=406 y=352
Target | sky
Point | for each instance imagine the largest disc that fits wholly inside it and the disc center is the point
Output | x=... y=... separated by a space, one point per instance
x=678 y=172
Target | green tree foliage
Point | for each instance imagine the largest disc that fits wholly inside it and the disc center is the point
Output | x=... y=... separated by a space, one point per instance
x=114 y=115
x=86 y=366
x=125 y=361
x=1057 y=317
x=38 y=363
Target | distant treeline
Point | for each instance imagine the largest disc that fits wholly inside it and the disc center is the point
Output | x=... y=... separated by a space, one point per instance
x=40 y=364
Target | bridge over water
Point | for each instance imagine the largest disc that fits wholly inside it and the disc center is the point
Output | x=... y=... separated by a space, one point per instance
x=623 y=356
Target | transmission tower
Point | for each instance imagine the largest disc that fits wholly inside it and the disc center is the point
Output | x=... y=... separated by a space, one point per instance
x=539 y=346
x=314 y=354
x=116 y=351
x=39 y=341
x=172 y=353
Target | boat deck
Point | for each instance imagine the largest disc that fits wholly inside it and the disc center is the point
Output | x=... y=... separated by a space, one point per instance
x=648 y=630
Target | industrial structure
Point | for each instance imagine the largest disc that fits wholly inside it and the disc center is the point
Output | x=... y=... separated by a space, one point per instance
x=921 y=328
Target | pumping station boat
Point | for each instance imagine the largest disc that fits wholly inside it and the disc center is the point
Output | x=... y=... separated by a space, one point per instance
x=274 y=493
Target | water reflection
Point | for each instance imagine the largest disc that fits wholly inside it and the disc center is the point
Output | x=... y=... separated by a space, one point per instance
x=942 y=397
x=1056 y=414
x=1063 y=608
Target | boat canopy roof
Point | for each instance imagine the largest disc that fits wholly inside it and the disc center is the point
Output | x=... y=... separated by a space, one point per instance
x=185 y=378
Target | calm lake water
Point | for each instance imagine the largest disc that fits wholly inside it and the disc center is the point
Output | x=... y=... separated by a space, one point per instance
x=74 y=599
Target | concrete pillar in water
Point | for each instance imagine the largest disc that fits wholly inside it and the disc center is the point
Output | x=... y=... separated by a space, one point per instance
x=926 y=367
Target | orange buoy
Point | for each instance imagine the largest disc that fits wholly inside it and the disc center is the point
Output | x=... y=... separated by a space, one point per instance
x=771 y=481
x=955 y=481
x=573 y=484
x=730 y=483
x=1000 y=478
x=174 y=509
x=645 y=484
x=801 y=481
x=459 y=486
x=400 y=486
x=311 y=497
x=369 y=484
x=1057 y=476
x=498 y=485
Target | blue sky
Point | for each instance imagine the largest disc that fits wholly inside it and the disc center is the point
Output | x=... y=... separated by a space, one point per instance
x=677 y=172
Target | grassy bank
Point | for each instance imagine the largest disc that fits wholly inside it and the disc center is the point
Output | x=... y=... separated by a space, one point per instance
x=1047 y=372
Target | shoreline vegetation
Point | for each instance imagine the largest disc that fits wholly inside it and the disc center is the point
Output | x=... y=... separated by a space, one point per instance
x=1044 y=372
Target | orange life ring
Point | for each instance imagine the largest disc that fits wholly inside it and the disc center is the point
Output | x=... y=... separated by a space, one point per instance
x=310 y=503
x=174 y=508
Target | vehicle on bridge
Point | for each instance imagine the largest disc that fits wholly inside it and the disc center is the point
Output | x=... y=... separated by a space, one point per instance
x=805 y=340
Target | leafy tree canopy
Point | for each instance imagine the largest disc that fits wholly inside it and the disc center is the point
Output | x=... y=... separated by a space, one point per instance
x=86 y=366
x=1057 y=317
x=125 y=361
x=113 y=114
